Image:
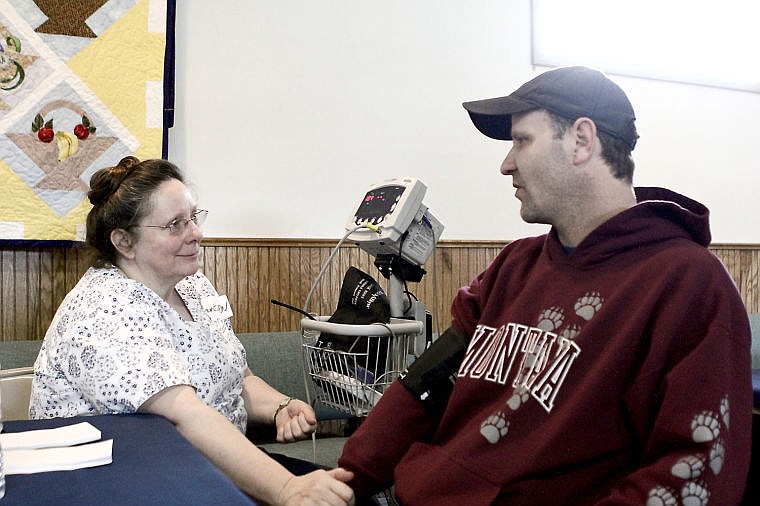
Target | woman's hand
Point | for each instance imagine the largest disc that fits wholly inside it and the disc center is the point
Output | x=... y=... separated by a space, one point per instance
x=246 y=465
x=295 y=421
x=318 y=487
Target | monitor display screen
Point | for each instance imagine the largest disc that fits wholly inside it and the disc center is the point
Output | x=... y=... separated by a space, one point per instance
x=378 y=203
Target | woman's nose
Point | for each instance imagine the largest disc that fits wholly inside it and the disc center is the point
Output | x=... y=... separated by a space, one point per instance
x=194 y=231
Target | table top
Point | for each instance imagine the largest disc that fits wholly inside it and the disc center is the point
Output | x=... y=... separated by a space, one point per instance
x=152 y=464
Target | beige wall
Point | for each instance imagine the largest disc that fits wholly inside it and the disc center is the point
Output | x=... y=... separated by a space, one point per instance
x=288 y=109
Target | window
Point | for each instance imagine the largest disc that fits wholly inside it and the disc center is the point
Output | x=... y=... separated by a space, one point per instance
x=704 y=43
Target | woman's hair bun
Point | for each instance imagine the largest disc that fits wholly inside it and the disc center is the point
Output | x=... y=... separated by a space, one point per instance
x=105 y=182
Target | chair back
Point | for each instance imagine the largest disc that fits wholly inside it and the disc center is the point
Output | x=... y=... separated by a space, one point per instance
x=15 y=391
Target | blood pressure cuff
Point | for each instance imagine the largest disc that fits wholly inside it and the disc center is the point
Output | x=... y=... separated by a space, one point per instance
x=431 y=377
x=362 y=301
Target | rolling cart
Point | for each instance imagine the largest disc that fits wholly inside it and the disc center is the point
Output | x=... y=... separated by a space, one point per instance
x=351 y=366
x=352 y=378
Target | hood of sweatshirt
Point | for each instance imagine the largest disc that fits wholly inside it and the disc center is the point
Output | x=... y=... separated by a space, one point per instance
x=659 y=215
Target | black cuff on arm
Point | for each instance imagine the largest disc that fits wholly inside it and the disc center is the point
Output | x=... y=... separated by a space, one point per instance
x=431 y=377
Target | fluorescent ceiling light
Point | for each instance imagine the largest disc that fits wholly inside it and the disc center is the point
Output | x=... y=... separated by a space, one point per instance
x=704 y=43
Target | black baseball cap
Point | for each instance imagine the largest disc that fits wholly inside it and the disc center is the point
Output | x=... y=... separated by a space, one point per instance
x=570 y=92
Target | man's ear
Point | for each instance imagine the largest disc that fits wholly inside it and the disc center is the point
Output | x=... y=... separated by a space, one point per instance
x=122 y=241
x=584 y=130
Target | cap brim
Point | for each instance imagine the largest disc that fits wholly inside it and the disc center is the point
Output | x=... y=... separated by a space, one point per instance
x=493 y=116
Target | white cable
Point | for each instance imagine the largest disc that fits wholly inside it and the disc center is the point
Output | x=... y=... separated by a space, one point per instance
x=327 y=264
x=306 y=310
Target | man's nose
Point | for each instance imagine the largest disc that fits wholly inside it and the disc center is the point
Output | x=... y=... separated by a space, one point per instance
x=508 y=165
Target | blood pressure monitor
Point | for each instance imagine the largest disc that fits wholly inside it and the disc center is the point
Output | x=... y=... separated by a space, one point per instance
x=392 y=220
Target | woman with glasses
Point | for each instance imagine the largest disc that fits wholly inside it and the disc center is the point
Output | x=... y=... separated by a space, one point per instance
x=144 y=322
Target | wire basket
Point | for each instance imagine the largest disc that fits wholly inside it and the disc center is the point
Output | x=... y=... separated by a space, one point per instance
x=353 y=378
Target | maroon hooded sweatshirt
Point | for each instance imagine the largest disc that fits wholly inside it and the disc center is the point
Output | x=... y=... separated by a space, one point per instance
x=618 y=373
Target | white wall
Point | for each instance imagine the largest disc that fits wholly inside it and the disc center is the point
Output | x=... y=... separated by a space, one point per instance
x=288 y=109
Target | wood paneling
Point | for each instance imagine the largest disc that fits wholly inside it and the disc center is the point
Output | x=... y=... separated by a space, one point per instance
x=251 y=272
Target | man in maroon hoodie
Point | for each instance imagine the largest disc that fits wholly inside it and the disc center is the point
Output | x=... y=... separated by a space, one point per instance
x=606 y=362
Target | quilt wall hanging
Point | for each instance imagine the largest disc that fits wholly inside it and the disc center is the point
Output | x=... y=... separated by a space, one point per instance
x=82 y=84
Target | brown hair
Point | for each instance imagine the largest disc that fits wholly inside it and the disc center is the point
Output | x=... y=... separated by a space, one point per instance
x=615 y=152
x=120 y=197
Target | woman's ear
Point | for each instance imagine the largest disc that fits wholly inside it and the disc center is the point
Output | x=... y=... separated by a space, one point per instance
x=122 y=241
x=584 y=130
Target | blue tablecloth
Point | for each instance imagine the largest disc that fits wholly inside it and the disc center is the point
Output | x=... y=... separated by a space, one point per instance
x=756 y=388
x=152 y=464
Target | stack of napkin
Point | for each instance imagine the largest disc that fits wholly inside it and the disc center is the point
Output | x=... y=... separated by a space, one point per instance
x=60 y=449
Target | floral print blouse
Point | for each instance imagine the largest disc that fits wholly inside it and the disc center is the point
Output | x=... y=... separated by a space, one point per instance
x=114 y=343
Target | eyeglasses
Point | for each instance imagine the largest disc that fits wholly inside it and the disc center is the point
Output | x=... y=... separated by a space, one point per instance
x=179 y=225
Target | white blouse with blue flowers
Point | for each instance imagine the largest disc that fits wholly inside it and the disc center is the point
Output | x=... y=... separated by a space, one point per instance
x=114 y=343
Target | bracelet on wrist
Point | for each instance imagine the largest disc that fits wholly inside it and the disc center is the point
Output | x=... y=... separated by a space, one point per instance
x=282 y=405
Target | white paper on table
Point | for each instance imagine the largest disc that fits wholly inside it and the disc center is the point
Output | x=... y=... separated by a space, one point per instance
x=57 y=459
x=67 y=435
